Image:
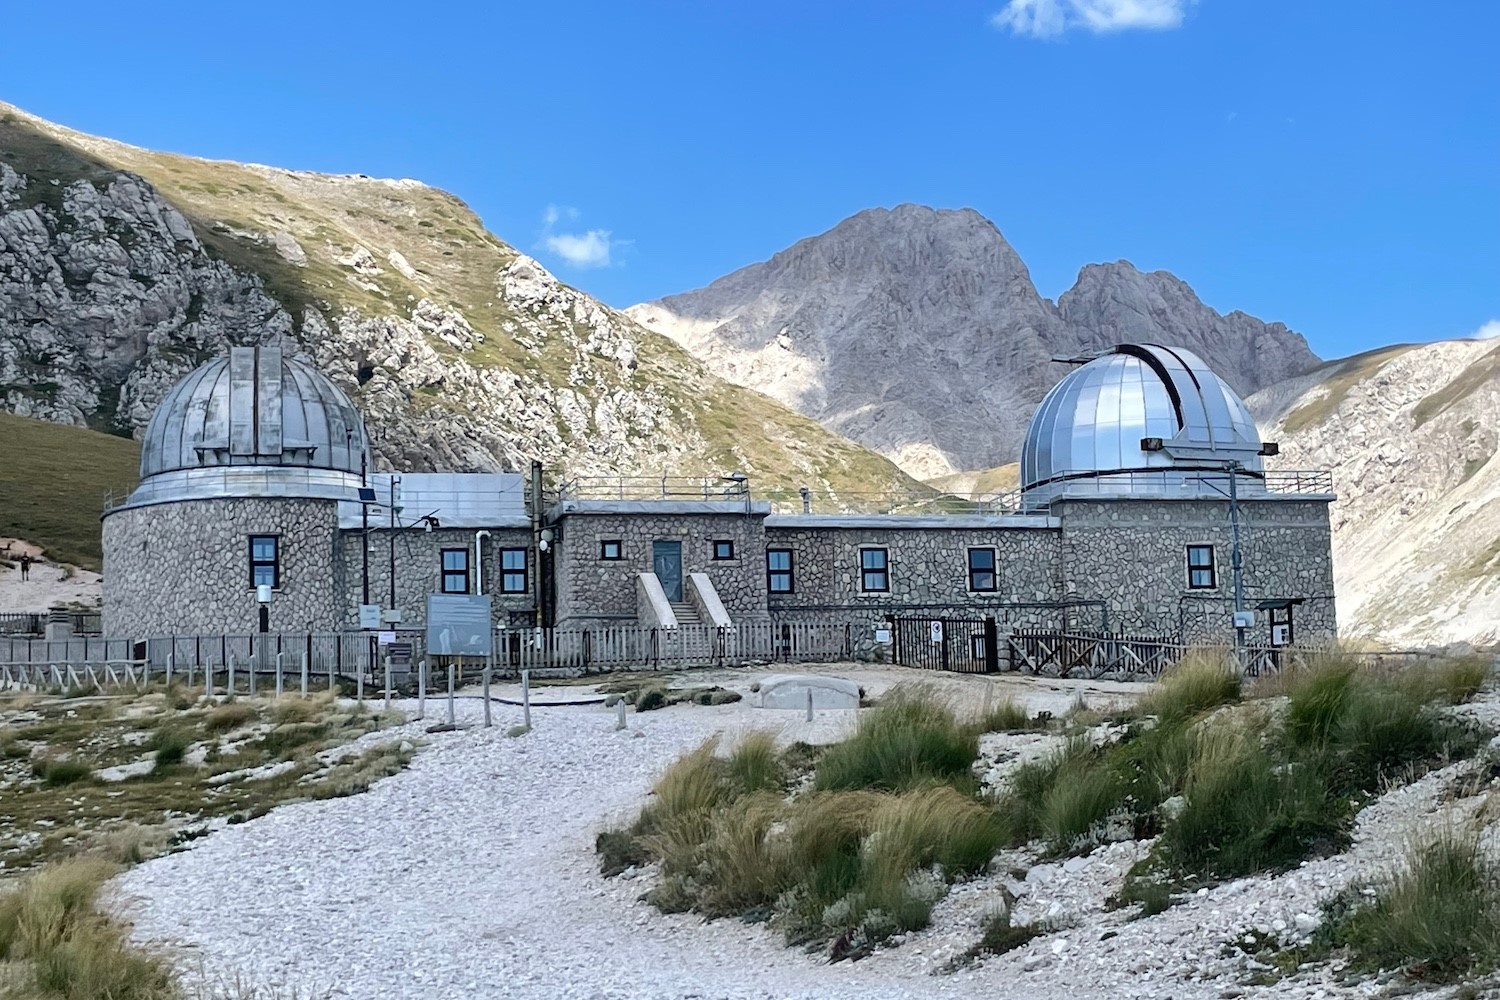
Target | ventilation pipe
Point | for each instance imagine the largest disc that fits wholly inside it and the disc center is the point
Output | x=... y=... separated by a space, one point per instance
x=479 y=537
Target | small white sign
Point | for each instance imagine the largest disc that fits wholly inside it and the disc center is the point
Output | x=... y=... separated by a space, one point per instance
x=1244 y=619
x=391 y=617
x=883 y=636
x=386 y=638
x=369 y=616
x=1281 y=635
x=937 y=632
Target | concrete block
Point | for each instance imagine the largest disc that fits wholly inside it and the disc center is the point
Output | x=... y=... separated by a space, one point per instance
x=790 y=691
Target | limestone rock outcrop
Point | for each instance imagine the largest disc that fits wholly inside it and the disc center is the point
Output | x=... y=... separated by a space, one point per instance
x=122 y=269
x=1411 y=437
x=918 y=332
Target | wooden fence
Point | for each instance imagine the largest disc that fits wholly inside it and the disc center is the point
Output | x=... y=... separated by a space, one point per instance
x=1095 y=655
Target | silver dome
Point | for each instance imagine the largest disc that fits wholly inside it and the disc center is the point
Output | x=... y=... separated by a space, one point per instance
x=1092 y=434
x=253 y=424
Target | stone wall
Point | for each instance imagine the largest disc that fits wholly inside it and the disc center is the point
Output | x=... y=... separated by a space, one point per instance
x=928 y=567
x=1132 y=554
x=418 y=557
x=184 y=568
x=591 y=588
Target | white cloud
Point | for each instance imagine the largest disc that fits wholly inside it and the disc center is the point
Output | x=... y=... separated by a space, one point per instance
x=1488 y=331
x=1049 y=18
x=586 y=249
x=590 y=249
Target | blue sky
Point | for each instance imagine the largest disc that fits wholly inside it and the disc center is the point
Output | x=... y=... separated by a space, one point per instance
x=1334 y=164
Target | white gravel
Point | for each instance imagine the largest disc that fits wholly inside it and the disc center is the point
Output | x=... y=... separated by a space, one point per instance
x=472 y=874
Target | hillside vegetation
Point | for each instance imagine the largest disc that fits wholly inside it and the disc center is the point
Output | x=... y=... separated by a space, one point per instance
x=1410 y=435
x=52 y=485
x=463 y=353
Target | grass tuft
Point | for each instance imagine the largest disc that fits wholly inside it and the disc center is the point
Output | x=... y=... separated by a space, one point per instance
x=171 y=744
x=1439 y=914
x=56 y=772
x=1199 y=683
x=228 y=716
x=909 y=738
x=754 y=766
x=56 y=945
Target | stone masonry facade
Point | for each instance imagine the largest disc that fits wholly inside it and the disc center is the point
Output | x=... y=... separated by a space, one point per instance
x=592 y=588
x=183 y=568
x=419 y=560
x=1132 y=555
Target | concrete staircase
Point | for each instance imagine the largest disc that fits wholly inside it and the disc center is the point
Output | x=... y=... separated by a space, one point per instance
x=687 y=613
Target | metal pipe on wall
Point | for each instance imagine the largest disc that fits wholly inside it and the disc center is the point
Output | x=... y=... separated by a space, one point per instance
x=479 y=537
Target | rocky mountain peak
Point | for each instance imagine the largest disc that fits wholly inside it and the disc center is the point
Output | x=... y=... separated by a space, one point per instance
x=889 y=328
x=918 y=332
x=1116 y=302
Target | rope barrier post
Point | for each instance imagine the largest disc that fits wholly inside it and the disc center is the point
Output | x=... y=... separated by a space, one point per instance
x=387 y=682
x=359 y=683
x=304 y=675
x=280 y=662
x=526 y=698
x=809 y=705
x=421 y=689
x=229 y=670
x=487 y=721
x=451 y=683
x=620 y=715
x=208 y=680
x=171 y=663
x=254 y=661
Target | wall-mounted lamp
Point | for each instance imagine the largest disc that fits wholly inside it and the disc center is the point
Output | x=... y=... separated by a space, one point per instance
x=1152 y=444
x=545 y=541
x=263 y=598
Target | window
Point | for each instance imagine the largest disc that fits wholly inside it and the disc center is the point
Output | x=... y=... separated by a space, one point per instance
x=1200 y=561
x=610 y=549
x=779 y=571
x=265 y=561
x=982 y=570
x=874 y=575
x=512 y=571
x=723 y=549
x=455 y=571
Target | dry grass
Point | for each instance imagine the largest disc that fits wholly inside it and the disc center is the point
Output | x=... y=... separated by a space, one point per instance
x=230 y=716
x=1198 y=683
x=56 y=945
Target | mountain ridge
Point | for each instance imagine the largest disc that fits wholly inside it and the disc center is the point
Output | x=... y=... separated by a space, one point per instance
x=121 y=269
x=825 y=324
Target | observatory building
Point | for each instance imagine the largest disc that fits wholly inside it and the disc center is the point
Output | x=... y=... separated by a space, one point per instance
x=1145 y=505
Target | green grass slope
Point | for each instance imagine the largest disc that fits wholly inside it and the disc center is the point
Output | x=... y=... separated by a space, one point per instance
x=52 y=484
x=450 y=259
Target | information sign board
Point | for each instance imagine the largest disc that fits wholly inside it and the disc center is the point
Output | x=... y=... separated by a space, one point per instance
x=458 y=624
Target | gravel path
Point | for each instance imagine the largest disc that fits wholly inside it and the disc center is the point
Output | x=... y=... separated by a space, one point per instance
x=471 y=874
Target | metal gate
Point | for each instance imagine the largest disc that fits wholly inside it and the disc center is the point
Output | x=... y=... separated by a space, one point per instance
x=966 y=645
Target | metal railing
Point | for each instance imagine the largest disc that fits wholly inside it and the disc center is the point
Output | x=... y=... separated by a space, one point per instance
x=358 y=656
x=34 y=623
x=654 y=488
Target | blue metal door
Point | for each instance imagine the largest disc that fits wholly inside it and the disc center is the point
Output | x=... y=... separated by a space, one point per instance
x=666 y=562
